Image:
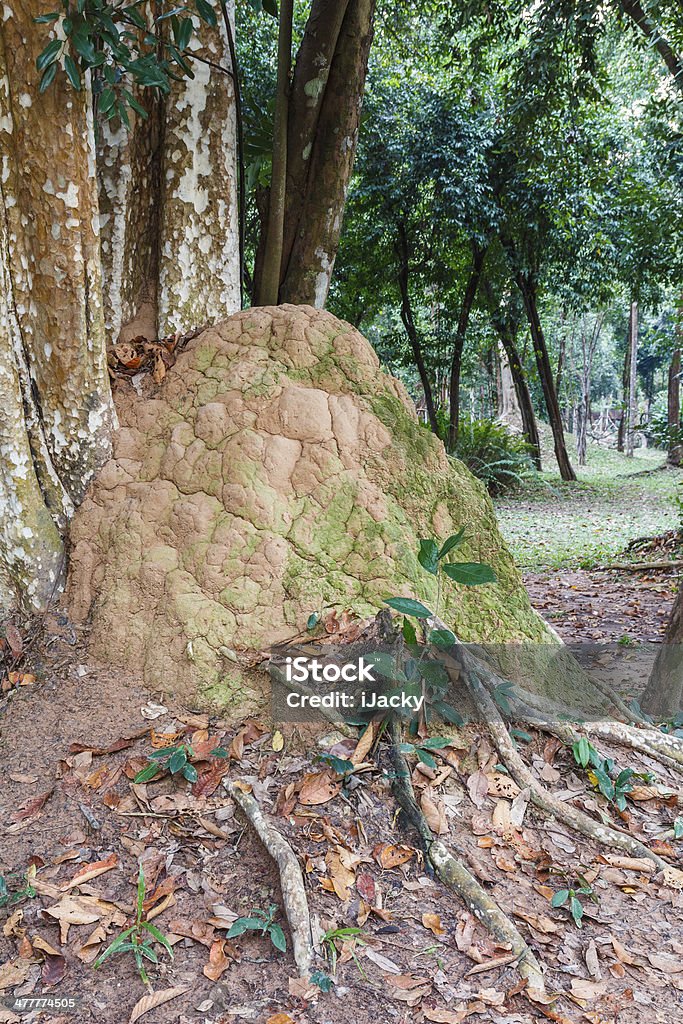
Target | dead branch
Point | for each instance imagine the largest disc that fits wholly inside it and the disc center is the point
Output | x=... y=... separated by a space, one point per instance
x=453 y=873
x=291 y=878
x=675 y=563
x=607 y=835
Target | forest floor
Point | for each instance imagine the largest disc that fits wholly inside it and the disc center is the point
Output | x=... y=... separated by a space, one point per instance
x=74 y=826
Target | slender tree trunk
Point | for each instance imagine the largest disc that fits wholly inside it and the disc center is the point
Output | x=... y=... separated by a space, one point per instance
x=57 y=410
x=409 y=324
x=269 y=282
x=313 y=223
x=655 y=38
x=663 y=696
x=625 y=377
x=545 y=374
x=675 y=455
x=632 y=379
x=459 y=344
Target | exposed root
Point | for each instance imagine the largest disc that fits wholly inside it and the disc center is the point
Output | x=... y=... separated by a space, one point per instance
x=607 y=835
x=453 y=873
x=638 y=739
x=291 y=878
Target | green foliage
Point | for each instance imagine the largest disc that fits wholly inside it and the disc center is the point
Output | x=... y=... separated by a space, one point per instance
x=495 y=455
x=12 y=893
x=571 y=899
x=260 y=921
x=411 y=669
x=174 y=760
x=139 y=939
x=117 y=44
x=614 y=785
x=350 y=936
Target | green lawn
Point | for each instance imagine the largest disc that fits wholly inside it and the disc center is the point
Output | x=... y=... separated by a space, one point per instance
x=551 y=523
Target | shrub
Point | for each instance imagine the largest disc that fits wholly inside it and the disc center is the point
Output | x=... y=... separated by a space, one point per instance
x=498 y=457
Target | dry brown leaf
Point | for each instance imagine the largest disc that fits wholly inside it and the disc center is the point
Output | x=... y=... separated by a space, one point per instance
x=72 y=910
x=155 y=999
x=642 y=864
x=318 y=788
x=364 y=744
x=218 y=961
x=438 y=1015
x=406 y=981
x=500 y=784
x=390 y=855
x=13 y=973
x=433 y=923
x=280 y=1018
x=435 y=813
x=11 y=925
x=90 y=871
x=478 y=787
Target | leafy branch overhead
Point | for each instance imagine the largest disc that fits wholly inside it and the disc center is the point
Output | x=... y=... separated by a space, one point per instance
x=125 y=47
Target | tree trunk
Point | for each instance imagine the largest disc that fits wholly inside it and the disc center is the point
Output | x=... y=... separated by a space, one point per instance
x=269 y=280
x=675 y=455
x=168 y=201
x=545 y=374
x=315 y=210
x=632 y=379
x=459 y=343
x=57 y=410
x=409 y=324
x=625 y=378
x=663 y=696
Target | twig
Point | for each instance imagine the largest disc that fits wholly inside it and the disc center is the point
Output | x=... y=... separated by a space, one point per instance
x=291 y=878
x=455 y=875
x=641 y=566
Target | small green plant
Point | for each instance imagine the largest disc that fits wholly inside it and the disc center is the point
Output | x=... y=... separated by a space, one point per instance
x=571 y=899
x=614 y=786
x=139 y=939
x=175 y=760
x=260 y=921
x=350 y=935
x=412 y=669
x=422 y=750
x=11 y=894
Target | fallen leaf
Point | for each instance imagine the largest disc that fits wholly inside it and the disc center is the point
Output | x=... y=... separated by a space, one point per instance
x=435 y=813
x=218 y=961
x=89 y=871
x=389 y=855
x=54 y=969
x=280 y=1018
x=438 y=1015
x=433 y=923
x=478 y=787
x=155 y=999
x=278 y=741
x=318 y=788
x=13 y=973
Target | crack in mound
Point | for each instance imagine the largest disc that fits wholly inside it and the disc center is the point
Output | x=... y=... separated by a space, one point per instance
x=276 y=470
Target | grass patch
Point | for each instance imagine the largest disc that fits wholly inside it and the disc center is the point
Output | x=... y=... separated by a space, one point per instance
x=552 y=524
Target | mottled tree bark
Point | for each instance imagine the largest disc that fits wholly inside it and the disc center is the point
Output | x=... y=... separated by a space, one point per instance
x=168 y=202
x=506 y=329
x=325 y=109
x=57 y=410
x=528 y=292
x=409 y=324
x=199 y=274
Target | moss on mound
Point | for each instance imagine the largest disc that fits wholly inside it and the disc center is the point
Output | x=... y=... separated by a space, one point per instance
x=276 y=470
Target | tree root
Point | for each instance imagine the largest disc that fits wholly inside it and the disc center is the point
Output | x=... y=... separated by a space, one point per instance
x=607 y=835
x=647 y=741
x=291 y=878
x=455 y=875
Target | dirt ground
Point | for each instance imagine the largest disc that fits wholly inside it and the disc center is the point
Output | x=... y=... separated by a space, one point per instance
x=71 y=816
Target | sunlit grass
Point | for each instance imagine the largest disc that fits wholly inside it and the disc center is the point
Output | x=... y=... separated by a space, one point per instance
x=616 y=500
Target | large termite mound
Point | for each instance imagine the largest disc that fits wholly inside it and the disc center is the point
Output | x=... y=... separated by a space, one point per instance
x=276 y=470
